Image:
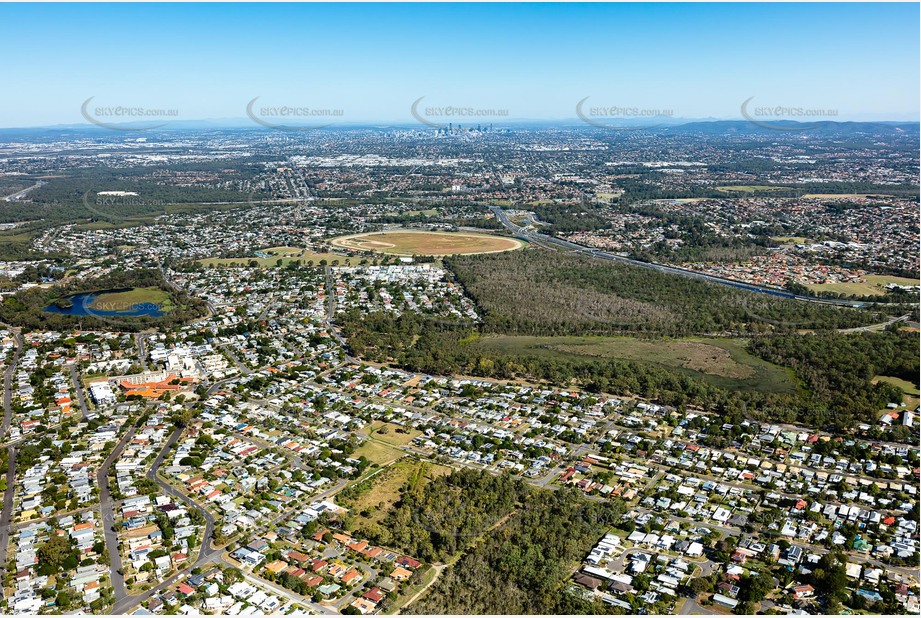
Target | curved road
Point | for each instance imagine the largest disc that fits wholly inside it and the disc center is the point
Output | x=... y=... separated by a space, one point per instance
x=208 y=553
x=537 y=237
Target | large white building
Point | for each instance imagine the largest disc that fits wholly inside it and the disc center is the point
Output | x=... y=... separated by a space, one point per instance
x=102 y=393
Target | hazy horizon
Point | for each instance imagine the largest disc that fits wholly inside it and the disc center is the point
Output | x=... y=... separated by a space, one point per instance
x=369 y=64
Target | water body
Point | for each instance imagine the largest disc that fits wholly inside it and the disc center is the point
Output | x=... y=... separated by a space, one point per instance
x=81 y=305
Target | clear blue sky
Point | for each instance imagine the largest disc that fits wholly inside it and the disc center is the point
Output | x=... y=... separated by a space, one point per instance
x=536 y=61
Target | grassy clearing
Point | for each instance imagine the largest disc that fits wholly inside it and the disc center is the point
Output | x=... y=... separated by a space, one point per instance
x=871 y=286
x=123 y=301
x=791 y=240
x=14 y=237
x=406 y=242
x=267 y=258
x=911 y=394
x=377 y=493
x=723 y=362
x=907 y=387
x=393 y=434
x=377 y=452
x=14 y=243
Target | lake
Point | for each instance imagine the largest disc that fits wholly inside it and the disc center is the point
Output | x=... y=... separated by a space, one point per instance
x=81 y=305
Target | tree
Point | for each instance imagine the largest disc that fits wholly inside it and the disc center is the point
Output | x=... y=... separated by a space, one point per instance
x=63 y=600
x=747 y=608
x=756 y=588
x=830 y=577
x=54 y=551
x=700 y=585
x=232 y=575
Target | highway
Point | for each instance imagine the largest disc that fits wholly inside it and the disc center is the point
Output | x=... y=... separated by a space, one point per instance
x=21 y=194
x=543 y=239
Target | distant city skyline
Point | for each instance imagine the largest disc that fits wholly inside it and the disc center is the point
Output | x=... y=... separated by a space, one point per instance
x=402 y=64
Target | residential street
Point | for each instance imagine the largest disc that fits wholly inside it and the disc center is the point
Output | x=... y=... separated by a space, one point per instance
x=8 y=387
x=8 y=495
x=108 y=516
x=78 y=389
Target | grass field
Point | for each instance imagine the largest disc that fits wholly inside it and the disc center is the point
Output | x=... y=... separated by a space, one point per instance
x=135 y=296
x=13 y=243
x=393 y=434
x=287 y=255
x=376 y=494
x=907 y=387
x=791 y=240
x=723 y=362
x=407 y=242
x=871 y=286
x=377 y=452
x=747 y=188
x=912 y=394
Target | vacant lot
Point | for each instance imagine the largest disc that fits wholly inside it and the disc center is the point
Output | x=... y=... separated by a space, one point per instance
x=405 y=242
x=378 y=492
x=393 y=434
x=871 y=286
x=377 y=452
x=723 y=362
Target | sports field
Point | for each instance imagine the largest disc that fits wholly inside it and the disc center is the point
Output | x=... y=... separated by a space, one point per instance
x=409 y=242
